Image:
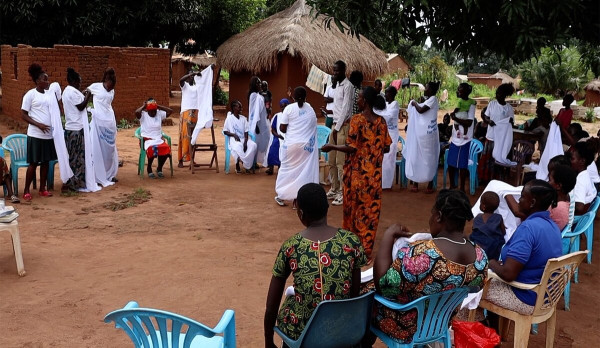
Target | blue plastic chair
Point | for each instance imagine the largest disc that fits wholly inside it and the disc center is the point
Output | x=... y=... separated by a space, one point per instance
x=322 y=139
x=333 y=324
x=16 y=144
x=589 y=233
x=433 y=317
x=475 y=150
x=142 y=158
x=400 y=164
x=153 y=328
x=228 y=153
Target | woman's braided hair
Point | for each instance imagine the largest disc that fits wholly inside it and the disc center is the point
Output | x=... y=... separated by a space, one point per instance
x=454 y=206
x=544 y=194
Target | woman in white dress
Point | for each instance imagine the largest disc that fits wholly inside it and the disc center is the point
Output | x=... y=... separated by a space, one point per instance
x=236 y=127
x=500 y=117
x=258 y=123
x=151 y=116
x=104 y=128
x=390 y=115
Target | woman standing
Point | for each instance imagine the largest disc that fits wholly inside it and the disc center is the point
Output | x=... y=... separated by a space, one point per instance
x=500 y=117
x=104 y=128
x=258 y=124
x=74 y=105
x=189 y=115
x=40 y=144
x=368 y=140
x=392 y=110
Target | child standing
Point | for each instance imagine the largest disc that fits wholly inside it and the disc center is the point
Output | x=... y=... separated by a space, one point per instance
x=462 y=111
x=488 y=227
x=273 y=156
x=565 y=115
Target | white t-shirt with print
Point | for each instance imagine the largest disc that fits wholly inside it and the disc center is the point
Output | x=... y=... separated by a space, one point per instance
x=37 y=106
x=152 y=126
x=584 y=191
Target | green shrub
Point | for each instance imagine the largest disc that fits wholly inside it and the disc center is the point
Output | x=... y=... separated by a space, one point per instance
x=589 y=115
x=220 y=97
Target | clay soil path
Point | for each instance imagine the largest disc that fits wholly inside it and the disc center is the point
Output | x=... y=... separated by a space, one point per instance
x=201 y=244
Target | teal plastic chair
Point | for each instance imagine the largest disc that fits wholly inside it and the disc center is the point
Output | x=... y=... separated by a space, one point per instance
x=589 y=233
x=335 y=324
x=228 y=153
x=142 y=158
x=16 y=144
x=475 y=150
x=400 y=164
x=322 y=139
x=433 y=317
x=153 y=328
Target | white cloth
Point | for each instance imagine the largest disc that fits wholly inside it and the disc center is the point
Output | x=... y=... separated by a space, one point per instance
x=151 y=127
x=258 y=118
x=189 y=97
x=37 y=106
x=316 y=79
x=388 y=166
x=593 y=173
x=584 y=191
x=239 y=126
x=58 y=133
x=403 y=242
x=458 y=137
x=422 y=150
x=329 y=93
x=298 y=153
x=496 y=113
x=342 y=103
x=553 y=148
x=502 y=189
x=103 y=133
x=71 y=97
x=501 y=133
x=205 y=111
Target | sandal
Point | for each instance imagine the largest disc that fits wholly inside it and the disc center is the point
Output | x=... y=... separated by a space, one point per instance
x=429 y=191
x=160 y=175
x=151 y=176
x=414 y=189
x=15 y=199
x=27 y=197
x=45 y=193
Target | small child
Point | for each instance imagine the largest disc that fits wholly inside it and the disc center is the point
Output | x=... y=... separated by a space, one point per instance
x=462 y=111
x=488 y=227
x=7 y=179
x=273 y=156
x=267 y=95
x=565 y=115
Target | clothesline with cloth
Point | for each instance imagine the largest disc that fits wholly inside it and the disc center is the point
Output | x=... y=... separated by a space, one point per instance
x=317 y=79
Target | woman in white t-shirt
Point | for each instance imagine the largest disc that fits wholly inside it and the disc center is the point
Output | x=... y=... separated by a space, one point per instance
x=188 y=116
x=500 y=117
x=151 y=116
x=74 y=106
x=40 y=144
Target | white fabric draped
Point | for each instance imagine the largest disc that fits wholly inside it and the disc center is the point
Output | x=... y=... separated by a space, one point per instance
x=103 y=134
x=388 y=170
x=503 y=189
x=58 y=133
x=239 y=126
x=205 y=111
x=553 y=148
x=503 y=140
x=422 y=150
x=258 y=117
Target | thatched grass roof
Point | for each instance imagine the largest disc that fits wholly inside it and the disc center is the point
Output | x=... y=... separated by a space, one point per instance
x=202 y=60
x=297 y=32
x=505 y=78
x=593 y=85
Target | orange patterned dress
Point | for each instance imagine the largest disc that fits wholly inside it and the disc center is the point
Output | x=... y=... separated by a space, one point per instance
x=362 y=177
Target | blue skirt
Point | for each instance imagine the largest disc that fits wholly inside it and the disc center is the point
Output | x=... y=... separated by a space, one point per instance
x=458 y=156
x=273 y=157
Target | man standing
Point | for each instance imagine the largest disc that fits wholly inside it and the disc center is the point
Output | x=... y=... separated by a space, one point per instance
x=342 y=109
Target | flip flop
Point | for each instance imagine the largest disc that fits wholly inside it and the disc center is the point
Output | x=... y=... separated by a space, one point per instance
x=27 y=197
x=46 y=193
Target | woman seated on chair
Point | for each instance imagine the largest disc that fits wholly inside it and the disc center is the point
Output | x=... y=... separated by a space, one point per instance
x=429 y=266
x=524 y=256
x=241 y=146
x=151 y=115
x=325 y=262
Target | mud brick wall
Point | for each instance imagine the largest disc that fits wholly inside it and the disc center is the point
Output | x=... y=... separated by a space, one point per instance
x=141 y=73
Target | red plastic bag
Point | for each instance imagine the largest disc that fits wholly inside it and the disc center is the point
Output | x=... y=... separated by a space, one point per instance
x=469 y=334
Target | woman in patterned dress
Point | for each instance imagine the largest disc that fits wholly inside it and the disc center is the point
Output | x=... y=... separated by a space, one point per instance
x=427 y=267
x=325 y=262
x=368 y=139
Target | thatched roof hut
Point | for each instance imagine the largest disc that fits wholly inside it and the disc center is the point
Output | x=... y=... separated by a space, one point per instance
x=282 y=48
x=494 y=80
x=592 y=93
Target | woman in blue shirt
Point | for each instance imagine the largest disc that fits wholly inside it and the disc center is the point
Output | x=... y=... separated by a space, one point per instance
x=524 y=256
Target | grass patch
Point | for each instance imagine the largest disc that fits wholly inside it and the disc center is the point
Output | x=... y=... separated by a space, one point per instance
x=70 y=194
x=139 y=196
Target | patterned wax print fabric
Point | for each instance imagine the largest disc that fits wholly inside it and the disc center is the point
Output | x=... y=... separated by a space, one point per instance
x=420 y=270
x=362 y=177
x=76 y=148
x=187 y=123
x=321 y=270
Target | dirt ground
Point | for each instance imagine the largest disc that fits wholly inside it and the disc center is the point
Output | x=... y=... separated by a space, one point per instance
x=201 y=244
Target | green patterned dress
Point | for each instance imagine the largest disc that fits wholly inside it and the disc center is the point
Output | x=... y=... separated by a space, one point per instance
x=322 y=271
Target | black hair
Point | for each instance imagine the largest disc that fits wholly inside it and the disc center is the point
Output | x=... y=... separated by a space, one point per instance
x=435 y=87
x=544 y=194
x=569 y=98
x=312 y=201
x=252 y=88
x=72 y=76
x=392 y=90
x=582 y=134
x=356 y=78
x=559 y=160
x=454 y=207
x=35 y=71
x=541 y=100
x=491 y=201
x=109 y=75
x=301 y=92
x=576 y=126
x=234 y=102
x=373 y=99
x=378 y=81
x=585 y=152
x=341 y=64
x=544 y=113
x=506 y=89
x=565 y=176
x=467 y=87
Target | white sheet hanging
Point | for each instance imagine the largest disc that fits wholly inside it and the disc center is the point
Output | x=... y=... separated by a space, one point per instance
x=502 y=189
x=503 y=140
x=258 y=117
x=388 y=166
x=553 y=148
x=205 y=111
x=103 y=134
x=58 y=133
x=422 y=150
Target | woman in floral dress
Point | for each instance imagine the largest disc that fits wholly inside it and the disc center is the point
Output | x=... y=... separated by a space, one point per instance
x=325 y=262
x=368 y=139
x=429 y=266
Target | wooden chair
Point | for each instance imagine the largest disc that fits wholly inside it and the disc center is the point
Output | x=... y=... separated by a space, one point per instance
x=206 y=148
x=521 y=154
x=556 y=275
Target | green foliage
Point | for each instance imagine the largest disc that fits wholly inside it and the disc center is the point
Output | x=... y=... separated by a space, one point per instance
x=124 y=124
x=224 y=75
x=220 y=97
x=589 y=115
x=433 y=70
x=554 y=72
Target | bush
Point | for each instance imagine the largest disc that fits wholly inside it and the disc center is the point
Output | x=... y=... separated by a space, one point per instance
x=220 y=97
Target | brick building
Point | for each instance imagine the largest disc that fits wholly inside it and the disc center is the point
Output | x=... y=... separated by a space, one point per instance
x=141 y=73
